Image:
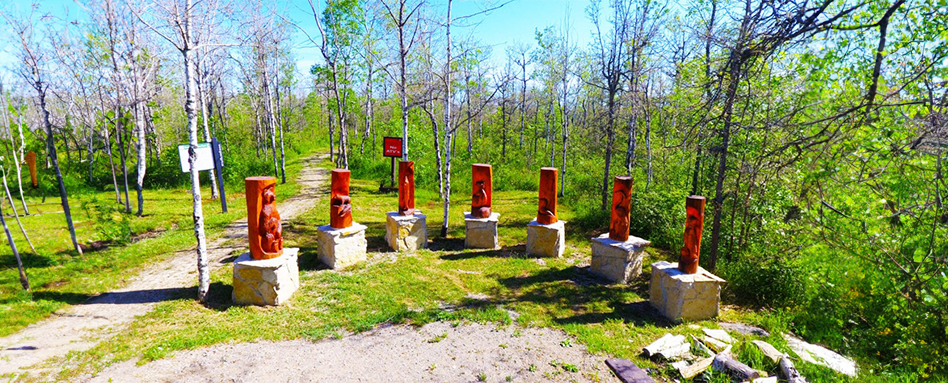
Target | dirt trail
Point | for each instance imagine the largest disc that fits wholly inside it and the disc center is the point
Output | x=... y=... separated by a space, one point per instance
x=82 y=326
x=437 y=352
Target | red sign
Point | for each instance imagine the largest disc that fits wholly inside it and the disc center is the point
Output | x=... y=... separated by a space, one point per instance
x=392 y=146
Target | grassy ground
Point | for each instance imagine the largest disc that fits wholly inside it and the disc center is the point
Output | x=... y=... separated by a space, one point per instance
x=445 y=282
x=117 y=244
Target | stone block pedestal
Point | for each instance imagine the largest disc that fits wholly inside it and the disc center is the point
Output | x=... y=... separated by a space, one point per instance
x=266 y=281
x=481 y=233
x=341 y=248
x=684 y=297
x=618 y=261
x=406 y=232
x=546 y=240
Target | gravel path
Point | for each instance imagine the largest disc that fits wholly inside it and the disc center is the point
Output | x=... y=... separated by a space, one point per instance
x=80 y=327
x=437 y=352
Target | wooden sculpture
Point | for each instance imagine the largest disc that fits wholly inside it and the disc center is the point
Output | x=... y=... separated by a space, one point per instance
x=621 y=202
x=31 y=162
x=694 y=223
x=546 y=214
x=264 y=229
x=480 y=198
x=340 y=206
x=406 y=188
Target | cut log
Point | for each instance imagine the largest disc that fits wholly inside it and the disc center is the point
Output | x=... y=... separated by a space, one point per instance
x=628 y=372
x=769 y=351
x=790 y=372
x=701 y=347
x=725 y=362
x=695 y=369
x=668 y=347
x=769 y=379
x=720 y=335
x=716 y=345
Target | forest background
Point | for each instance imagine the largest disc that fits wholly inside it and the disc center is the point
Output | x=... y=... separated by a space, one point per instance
x=817 y=130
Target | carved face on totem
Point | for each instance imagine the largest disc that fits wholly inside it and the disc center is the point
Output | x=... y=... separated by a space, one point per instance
x=270 y=228
x=546 y=213
x=340 y=206
x=694 y=223
x=621 y=203
x=406 y=188
x=264 y=229
x=481 y=195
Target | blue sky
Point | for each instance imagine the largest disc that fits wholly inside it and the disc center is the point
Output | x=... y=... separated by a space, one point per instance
x=515 y=21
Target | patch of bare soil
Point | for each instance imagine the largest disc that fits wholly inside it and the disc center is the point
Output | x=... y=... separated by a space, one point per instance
x=437 y=352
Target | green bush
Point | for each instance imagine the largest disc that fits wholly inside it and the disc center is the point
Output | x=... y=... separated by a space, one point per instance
x=760 y=282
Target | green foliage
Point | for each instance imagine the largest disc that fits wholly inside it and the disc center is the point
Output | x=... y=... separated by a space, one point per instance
x=762 y=282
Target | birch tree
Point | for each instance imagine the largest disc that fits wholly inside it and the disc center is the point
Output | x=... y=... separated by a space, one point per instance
x=33 y=60
x=173 y=21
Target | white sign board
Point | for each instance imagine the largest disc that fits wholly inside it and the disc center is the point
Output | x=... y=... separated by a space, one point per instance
x=205 y=158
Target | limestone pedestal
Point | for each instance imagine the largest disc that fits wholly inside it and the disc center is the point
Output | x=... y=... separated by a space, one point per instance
x=341 y=248
x=406 y=232
x=266 y=281
x=684 y=297
x=481 y=233
x=618 y=261
x=546 y=240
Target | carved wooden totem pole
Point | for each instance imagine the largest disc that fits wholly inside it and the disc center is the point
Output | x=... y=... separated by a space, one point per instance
x=263 y=220
x=621 y=202
x=480 y=198
x=340 y=206
x=406 y=188
x=546 y=214
x=31 y=162
x=694 y=223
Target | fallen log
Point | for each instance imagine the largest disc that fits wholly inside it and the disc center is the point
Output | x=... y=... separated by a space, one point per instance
x=696 y=369
x=790 y=372
x=725 y=362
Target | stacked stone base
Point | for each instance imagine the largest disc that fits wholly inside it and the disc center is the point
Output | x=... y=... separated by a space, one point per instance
x=618 y=261
x=684 y=297
x=481 y=233
x=406 y=233
x=266 y=282
x=341 y=248
x=546 y=240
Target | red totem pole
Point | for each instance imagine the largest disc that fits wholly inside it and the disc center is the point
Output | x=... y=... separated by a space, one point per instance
x=31 y=163
x=264 y=229
x=340 y=206
x=546 y=214
x=621 y=203
x=406 y=188
x=480 y=198
x=688 y=262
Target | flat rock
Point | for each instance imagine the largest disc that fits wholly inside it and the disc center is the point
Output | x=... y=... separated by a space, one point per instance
x=628 y=372
x=821 y=355
x=768 y=350
x=720 y=335
x=745 y=329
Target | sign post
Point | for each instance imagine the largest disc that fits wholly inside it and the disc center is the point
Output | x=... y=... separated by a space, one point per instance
x=219 y=166
x=392 y=147
x=208 y=157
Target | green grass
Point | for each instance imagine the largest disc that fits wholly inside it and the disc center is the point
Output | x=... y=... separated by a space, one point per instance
x=430 y=285
x=125 y=244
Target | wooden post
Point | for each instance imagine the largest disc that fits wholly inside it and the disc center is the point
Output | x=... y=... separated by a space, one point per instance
x=694 y=223
x=340 y=205
x=621 y=204
x=264 y=229
x=546 y=213
x=483 y=185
